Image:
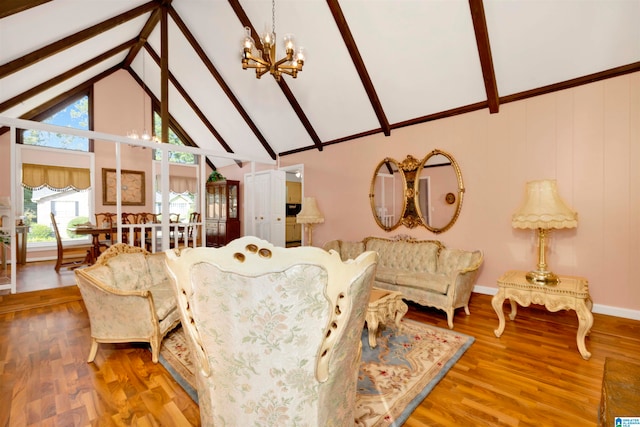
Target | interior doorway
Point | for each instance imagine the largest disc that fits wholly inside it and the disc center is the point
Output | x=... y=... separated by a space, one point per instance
x=294 y=195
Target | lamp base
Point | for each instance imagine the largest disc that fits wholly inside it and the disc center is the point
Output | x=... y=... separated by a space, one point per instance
x=542 y=278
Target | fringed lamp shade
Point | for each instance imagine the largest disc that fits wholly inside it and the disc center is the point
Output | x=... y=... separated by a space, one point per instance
x=543 y=210
x=309 y=215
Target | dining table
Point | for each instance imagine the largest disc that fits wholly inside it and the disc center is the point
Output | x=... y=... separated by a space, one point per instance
x=95 y=232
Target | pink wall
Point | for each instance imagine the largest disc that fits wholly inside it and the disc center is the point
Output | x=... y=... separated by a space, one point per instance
x=112 y=115
x=588 y=138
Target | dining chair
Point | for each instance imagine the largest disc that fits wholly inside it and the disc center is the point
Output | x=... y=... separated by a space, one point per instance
x=128 y=235
x=190 y=235
x=70 y=256
x=147 y=235
x=106 y=220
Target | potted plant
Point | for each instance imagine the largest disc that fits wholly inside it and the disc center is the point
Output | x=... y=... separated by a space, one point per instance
x=215 y=176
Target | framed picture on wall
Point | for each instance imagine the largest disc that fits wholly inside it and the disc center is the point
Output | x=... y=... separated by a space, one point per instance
x=132 y=187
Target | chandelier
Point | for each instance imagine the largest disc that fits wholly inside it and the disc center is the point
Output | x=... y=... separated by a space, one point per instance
x=265 y=60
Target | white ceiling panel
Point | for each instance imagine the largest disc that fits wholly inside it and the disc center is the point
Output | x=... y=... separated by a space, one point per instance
x=537 y=43
x=53 y=21
x=54 y=66
x=421 y=57
x=65 y=86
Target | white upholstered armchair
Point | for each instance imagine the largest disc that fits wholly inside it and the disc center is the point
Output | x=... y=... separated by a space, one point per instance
x=129 y=298
x=276 y=332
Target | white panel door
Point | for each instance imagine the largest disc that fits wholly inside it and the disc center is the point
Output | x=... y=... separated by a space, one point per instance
x=265 y=200
x=278 y=207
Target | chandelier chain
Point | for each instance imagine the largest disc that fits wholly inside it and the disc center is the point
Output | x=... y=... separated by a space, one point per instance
x=273 y=16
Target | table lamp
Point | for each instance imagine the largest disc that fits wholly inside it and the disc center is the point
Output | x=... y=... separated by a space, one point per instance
x=309 y=215
x=543 y=210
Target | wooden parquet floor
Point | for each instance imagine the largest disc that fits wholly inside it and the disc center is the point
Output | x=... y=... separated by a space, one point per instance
x=532 y=376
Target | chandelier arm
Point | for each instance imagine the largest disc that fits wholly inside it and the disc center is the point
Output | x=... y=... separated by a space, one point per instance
x=290 y=67
x=256 y=66
x=261 y=71
x=283 y=60
x=288 y=72
x=260 y=61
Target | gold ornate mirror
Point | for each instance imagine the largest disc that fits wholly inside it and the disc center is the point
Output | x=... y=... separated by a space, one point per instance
x=387 y=194
x=438 y=191
x=417 y=192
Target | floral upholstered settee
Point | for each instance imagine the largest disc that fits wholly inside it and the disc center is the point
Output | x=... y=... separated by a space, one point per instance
x=424 y=271
x=129 y=298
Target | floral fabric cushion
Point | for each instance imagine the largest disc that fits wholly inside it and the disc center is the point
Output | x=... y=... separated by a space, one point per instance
x=453 y=260
x=253 y=329
x=130 y=271
x=157 y=268
x=351 y=250
x=410 y=256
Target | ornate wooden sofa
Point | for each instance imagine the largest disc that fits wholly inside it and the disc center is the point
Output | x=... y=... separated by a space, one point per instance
x=425 y=271
x=129 y=298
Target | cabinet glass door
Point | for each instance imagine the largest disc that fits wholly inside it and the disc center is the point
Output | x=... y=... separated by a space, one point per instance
x=210 y=205
x=216 y=202
x=223 y=202
x=233 y=201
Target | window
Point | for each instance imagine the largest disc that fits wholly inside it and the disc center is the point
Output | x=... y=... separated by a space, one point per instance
x=74 y=115
x=174 y=157
x=179 y=202
x=43 y=156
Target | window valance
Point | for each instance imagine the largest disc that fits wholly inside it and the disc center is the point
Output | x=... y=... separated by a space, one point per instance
x=180 y=184
x=55 y=178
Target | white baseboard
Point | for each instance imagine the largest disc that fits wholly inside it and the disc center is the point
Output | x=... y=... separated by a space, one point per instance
x=597 y=308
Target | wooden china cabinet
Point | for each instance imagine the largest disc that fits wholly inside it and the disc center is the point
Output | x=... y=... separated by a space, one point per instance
x=221 y=214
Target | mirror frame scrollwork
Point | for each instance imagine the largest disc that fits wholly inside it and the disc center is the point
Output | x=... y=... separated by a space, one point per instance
x=410 y=213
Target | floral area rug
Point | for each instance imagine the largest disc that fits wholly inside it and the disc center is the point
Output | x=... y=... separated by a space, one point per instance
x=394 y=378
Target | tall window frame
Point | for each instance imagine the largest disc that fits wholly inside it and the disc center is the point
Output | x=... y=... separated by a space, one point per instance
x=68 y=151
x=187 y=160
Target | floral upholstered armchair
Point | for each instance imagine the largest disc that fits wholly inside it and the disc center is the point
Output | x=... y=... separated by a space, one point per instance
x=276 y=332
x=129 y=298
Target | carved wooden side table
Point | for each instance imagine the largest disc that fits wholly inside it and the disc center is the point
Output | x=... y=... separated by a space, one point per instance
x=571 y=293
x=384 y=306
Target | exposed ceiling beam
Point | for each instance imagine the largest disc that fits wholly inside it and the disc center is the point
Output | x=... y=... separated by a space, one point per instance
x=223 y=85
x=173 y=123
x=72 y=40
x=300 y=113
x=164 y=73
x=144 y=35
x=198 y=112
x=349 y=41
x=64 y=76
x=244 y=20
x=9 y=7
x=484 y=52
x=567 y=84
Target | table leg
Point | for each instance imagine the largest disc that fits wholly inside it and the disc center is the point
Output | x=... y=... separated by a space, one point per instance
x=401 y=309
x=585 y=322
x=514 y=309
x=496 y=302
x=96 y=247
x=372 y=328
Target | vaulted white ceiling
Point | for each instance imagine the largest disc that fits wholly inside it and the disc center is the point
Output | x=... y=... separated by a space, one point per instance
x=372 y=65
